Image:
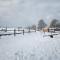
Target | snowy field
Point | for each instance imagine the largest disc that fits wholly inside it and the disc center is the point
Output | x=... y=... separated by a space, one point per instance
x=30 y=46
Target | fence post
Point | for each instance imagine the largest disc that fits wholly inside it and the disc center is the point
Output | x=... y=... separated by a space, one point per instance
x=29 y=30
x=14 y=32
x=6 y=29
x=23 y=31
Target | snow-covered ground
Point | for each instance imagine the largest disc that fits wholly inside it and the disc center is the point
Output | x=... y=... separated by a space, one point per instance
x=31 y=46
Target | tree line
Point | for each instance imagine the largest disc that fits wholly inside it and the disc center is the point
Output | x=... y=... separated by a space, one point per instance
x=41 y=24
x=55 y=23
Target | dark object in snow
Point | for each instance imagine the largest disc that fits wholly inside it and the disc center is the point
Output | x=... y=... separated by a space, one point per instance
x=51 y=36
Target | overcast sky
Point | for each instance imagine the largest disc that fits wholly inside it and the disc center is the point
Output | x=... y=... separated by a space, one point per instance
x=27 y=12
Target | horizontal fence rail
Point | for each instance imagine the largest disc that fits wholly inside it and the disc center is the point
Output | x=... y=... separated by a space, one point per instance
x=5 y=32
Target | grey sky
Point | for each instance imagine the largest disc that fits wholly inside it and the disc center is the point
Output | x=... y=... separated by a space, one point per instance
x=27 y=12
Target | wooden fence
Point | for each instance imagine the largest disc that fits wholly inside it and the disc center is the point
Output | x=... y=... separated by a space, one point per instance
x=15 y=31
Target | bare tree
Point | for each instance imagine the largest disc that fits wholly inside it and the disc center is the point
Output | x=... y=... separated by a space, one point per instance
x=58 y=25
x=41 y=24
x=53 y=23
x=33 y=27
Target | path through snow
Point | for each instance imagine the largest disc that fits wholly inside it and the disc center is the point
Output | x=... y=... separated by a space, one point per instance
x=31 y=46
